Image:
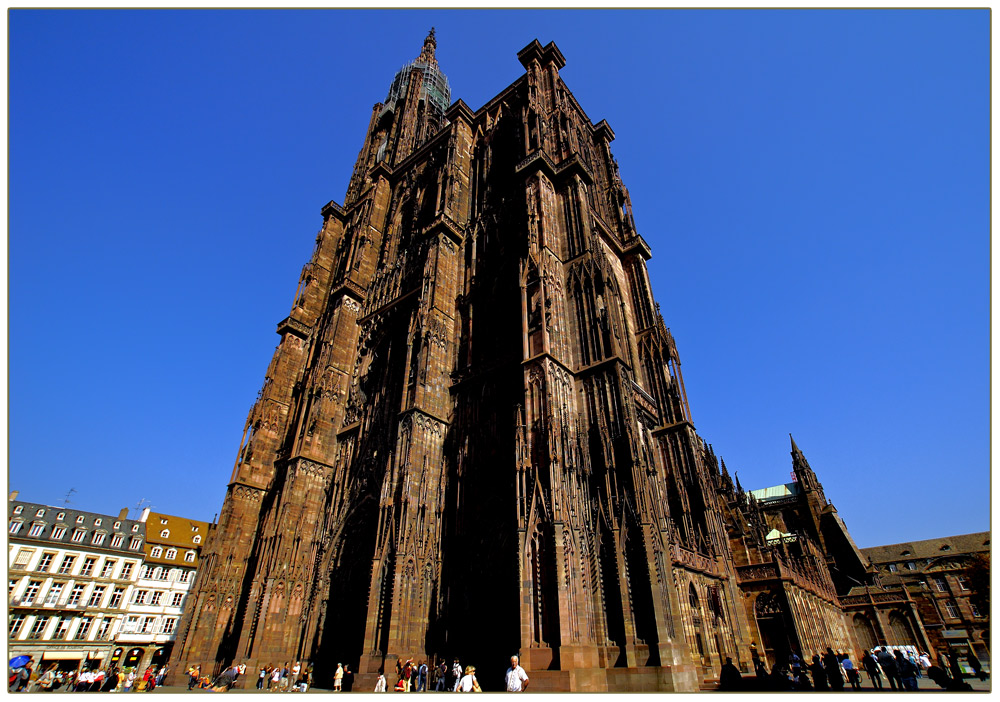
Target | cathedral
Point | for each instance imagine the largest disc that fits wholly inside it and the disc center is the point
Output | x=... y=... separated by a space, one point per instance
x=473 y=439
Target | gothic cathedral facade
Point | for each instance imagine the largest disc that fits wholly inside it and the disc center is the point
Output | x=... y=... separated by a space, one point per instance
x=473 y=438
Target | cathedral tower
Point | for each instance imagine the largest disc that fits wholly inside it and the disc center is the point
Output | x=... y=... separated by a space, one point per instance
x=473 y=438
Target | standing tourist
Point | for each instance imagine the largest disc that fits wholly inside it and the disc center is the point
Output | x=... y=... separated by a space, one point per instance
x=338 y=678
x=275 y=678
x=516 y=678
x=852 y=674
x=469 y=683
x=421 y=676
x=870 y=665
x=833 y=673
x=730 y=679
x=907 y=672
x=888 y=665
x=380 y=683
x=456 y=674
x=819 y=675
x=260 y=678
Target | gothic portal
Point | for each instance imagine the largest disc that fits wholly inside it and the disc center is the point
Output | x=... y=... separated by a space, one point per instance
x=473 y=438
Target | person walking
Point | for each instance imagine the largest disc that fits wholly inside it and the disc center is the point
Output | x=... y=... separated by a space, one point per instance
x=421 y=677
x=468 y=683
x=730 y=679
x=924 y=662
x=851 y=672
x=516 y=679
x=870 y=665
x=888 y=665
x=440 y=675
x=456 y=673
x=831 y=664
x=380 y=682
x=907 y=672
x=819 y=675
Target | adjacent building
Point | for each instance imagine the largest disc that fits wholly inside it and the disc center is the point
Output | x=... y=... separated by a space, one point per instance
x=89 y=590
x=161 y=590
x=938 y=574
x=71 y=575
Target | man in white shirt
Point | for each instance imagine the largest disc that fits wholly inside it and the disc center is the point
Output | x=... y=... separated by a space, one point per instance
x=517 y=679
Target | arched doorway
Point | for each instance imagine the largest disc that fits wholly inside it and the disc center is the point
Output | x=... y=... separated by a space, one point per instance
x=133 y=657
x=776 y=636
x=900 y=630
x=864 y=632
x=116 y=657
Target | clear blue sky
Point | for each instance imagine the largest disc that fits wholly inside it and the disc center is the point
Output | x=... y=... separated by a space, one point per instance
x=814 y=186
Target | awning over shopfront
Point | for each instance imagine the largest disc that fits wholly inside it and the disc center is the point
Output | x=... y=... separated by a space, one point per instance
x=63 y=655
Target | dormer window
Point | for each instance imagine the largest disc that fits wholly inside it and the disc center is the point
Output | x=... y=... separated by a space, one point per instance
x=197 y=539
x=906 y=552
x=165 y=534
x=40 y=513
x=118 y=525
x=162 y=520
x=946 y=547
x=61 y=516
x=97 y=522
x=155 y=553
x=135 y=528
x=19 y=509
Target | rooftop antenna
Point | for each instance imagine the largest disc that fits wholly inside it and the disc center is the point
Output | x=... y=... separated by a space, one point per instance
x=139 y=504
x=66 y=499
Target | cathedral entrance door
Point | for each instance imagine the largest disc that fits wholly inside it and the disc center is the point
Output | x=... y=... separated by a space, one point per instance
x=772 y=625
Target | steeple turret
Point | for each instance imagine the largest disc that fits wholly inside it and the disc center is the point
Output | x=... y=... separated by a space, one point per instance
x=803 y=474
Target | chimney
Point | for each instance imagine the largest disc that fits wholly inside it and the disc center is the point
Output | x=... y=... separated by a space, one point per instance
x=124 y=513
x=145 y=514
x=13 y=496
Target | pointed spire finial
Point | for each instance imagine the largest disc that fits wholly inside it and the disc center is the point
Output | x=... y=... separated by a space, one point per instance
x=430 y=44
x=794 y=447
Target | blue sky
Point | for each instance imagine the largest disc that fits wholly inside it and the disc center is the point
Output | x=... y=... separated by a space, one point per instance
x=813 y=184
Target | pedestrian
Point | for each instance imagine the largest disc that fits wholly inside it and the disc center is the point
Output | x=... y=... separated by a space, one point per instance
x=730 y=679
x=851 y=672
x=283 y=680
x=338 y=678
x=924 y=662
x=515 y=678
x=275 y=678
x=888 y=665
x=794 y=664
x=870 y=665
x=421 y=676
x=24 y=676
x=348 y=678
x=260 y=678
x=380 y=682
x=469 y=683
x=834 y=676
x=194 y=672
x=819 y=675
x=408 y=675
x=907 y=672
x=456 y=675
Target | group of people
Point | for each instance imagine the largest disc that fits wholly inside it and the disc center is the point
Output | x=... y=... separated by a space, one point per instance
x=26 y=678
x=833 y=671
x=412 y=677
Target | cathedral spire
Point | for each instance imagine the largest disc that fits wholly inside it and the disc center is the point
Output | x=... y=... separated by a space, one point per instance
x=430 y=45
